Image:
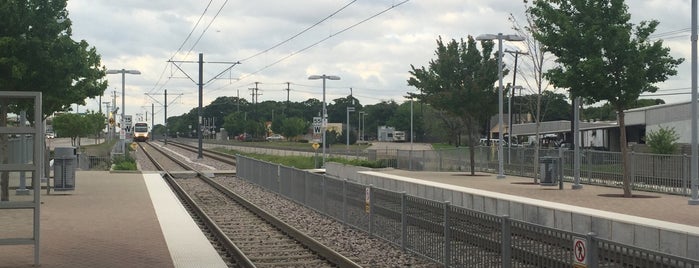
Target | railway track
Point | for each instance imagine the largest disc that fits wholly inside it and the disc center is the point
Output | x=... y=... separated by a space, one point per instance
x=223 y=157
x=252 y=237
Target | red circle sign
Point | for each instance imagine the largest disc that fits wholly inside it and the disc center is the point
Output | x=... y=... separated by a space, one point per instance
x=579 y=251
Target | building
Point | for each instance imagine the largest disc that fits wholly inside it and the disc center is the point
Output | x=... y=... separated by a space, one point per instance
x=605 y=135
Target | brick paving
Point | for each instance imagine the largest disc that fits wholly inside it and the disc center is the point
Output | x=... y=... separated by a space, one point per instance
x=108 y=221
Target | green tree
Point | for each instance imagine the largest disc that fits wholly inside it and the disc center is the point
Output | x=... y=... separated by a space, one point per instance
x=78 y=125
x=602 y=56
x=663 y=140
x=294 y=126
x=37 y=53
x=460 y=82
x=94 y=123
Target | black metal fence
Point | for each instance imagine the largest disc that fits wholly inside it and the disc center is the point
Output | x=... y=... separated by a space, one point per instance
x=451 y=235
x=649 y=172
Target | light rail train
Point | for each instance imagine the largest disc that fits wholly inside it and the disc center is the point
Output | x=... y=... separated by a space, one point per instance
x=140 y=132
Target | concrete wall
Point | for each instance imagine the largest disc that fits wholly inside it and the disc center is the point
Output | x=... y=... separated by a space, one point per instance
x=667 y=237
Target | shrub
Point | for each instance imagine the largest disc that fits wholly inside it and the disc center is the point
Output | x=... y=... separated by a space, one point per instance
x=124 y=163
x=662 y=141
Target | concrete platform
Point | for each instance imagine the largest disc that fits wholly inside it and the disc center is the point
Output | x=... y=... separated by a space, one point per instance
x=110 y=220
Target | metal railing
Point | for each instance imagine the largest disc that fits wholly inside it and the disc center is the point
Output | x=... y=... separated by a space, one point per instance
x=450 y=235
x=649 y=172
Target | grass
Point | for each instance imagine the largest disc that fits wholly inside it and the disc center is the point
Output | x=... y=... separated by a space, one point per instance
x=305 y=162
x=296 y=146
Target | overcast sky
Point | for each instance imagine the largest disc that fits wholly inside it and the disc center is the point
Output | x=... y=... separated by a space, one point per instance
x=371 y=51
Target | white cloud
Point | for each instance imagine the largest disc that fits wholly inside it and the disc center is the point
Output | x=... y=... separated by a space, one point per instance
x=373 y=58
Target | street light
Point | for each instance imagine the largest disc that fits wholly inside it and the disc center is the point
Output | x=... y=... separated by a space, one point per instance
x=500 y=37
x=325 y=114
x=123 y=73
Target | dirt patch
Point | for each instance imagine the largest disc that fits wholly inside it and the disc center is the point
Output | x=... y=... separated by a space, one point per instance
x=525 y=183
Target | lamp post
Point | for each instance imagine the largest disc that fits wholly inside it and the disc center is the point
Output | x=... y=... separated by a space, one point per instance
x=325 y=113
x=500 y=37
x=123 y=73
x=694 y=167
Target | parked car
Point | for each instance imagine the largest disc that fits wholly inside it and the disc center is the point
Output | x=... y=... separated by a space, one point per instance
x=244 y=137
x=50 y=135
x=275 y=137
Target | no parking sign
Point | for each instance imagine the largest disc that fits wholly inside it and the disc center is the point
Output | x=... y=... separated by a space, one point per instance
x=579 y=252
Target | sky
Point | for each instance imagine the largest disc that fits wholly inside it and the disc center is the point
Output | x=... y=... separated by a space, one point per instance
x=369 y=44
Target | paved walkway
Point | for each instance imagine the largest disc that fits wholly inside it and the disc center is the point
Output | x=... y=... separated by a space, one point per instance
x=671 y=208
x=108 y=221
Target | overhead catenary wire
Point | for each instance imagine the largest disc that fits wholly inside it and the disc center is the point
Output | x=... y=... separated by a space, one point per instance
x=179 y=49
x=315 y=43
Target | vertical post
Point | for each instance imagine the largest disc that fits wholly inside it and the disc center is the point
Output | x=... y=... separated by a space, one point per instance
x=348 y=130
x=123 y=109
x=501 y=172
x=695 y=136
x=592 y=258
x=506 y=240
x=165 y=117
x=576 y=144
x=152 y=121
x=201 y=100
x=403 y=221
x=22 y=190
x=371 y=210
x=632 y=160
x=344 y=201
x=323 y=123
x=447 y=235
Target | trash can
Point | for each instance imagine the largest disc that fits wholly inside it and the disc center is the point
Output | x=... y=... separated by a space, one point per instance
x=64 y=165
x=548 y=171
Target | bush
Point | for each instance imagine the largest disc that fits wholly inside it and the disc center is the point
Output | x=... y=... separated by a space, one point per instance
x=124 y=163
x=662 y=141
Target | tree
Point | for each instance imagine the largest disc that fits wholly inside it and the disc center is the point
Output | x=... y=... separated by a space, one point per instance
x=663 y=140
x=37 y=53
x=293 y=126
x=602 y=56
x=533 y=75
x=460 y=82
x=78 y=125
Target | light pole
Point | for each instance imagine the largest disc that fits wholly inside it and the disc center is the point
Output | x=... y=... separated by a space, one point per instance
x=123 y=73
x=500 y=37
x=325 y=112
x=694 y=168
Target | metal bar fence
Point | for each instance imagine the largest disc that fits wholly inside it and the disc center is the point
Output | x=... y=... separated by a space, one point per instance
x=450 y=235
x=649 y=172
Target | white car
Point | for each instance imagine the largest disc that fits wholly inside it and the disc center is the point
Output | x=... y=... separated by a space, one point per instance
x=50 y=135
x=275 y=137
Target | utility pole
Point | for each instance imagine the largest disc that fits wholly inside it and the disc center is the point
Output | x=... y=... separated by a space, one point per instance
x=257 y=95
x=200 y=84
x=288 y=89
x=512 y=97
x=165 y=117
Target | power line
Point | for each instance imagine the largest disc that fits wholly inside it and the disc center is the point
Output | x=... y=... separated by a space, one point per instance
x=315 y=43
x=179 y=49
x=300 y=33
